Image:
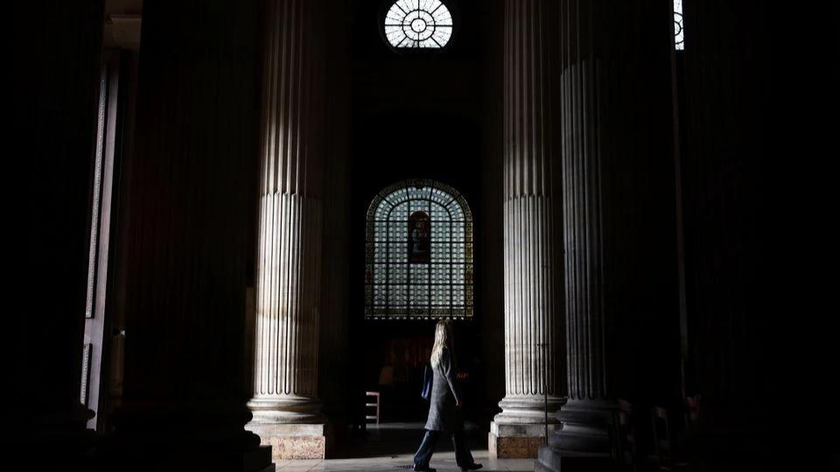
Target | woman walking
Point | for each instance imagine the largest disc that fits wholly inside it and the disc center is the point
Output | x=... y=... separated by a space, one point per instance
x=445 y=412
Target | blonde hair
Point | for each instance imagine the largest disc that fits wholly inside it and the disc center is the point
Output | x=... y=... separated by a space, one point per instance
x=443 y=339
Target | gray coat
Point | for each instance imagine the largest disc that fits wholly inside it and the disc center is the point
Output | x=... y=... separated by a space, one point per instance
x=443 y=414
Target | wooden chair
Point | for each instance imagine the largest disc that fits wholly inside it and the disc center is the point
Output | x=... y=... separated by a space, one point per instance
x=662 y=444
x=623 y=437
x=372 y=401
x=626 y=435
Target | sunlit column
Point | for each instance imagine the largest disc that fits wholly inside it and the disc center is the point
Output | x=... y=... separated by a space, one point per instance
x=534 y=344
x=286 y=409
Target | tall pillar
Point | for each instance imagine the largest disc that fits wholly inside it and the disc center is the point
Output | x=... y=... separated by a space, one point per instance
x=285 y=405
x=534 y=370
x=55 y=77
x=185 y=244
x=619 y=222
x=335 y=313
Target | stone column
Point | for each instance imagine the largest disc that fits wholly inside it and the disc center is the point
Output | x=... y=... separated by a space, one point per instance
x=55 y=81
x=619 y=222
x=533 y=234
x=336 y=274
x=285 y=404
x=185 y=243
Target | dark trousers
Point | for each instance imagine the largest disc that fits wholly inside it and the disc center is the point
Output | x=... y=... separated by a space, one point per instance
x=462 y=453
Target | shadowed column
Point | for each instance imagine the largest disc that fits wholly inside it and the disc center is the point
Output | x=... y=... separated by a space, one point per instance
x=188 y=217
x=619 y=222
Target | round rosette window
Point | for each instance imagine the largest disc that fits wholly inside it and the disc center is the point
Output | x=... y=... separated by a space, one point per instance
x=418 y=24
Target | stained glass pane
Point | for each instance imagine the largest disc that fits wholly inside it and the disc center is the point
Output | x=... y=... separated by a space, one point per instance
x=382 y=211
x=441 y=252
x=400 y=212
x=440 y=233
x=419 y=274
x=458 y=274
x=440 y=273
x=441 y=295
x=379 y=295
x=398 y=274
x=455 y=210
x=419 y=295
x=380 y=274
x=458 y=231
x=399 y=296
x=418 y=24
x=458 y=295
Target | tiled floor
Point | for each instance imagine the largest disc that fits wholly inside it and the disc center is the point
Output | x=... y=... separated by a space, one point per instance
x=390 y=447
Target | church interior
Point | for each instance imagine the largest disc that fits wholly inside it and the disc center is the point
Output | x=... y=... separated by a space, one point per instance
x=243 y=219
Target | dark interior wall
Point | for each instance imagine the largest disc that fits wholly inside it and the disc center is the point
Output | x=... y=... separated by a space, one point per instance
x=55 y=78
x=423 y=114
x=758 y=79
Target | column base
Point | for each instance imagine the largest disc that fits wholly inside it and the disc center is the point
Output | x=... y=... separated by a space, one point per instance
x=519 y=430
x=294 y=441
x=582 y=443
x=516 y=441
x=585 y=428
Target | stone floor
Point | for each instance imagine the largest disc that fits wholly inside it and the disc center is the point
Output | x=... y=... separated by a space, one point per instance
x=390 y=447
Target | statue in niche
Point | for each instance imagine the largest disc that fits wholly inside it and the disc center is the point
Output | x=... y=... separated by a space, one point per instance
x=419 y=232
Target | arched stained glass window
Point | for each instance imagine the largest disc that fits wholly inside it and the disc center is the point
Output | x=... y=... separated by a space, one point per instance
x=418 y=24
x=419 y=253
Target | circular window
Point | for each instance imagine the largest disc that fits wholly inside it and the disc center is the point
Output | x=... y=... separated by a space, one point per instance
x=418 y=24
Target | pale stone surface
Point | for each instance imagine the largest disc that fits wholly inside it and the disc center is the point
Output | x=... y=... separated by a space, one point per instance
x=533 y=238
x=288 y=286
x=514 y=447
x=294 y=441
x=517 y=440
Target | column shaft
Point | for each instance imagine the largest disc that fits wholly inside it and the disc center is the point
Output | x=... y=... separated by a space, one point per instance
x=285 y=404
x=534 y=370
x=619 y=228
x=184 y=243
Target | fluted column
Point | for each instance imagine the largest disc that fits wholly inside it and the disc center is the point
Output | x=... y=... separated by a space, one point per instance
x=533 y=234
x=183 y=243
x=285 y=404
x=619 y=228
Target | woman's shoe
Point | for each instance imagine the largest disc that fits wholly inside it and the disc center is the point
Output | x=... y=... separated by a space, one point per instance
x=473 y=466
x=422 y=469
